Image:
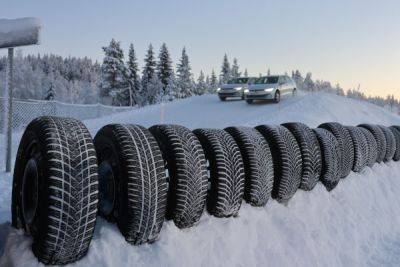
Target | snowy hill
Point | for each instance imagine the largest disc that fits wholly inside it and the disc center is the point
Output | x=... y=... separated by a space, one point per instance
x=357 y=224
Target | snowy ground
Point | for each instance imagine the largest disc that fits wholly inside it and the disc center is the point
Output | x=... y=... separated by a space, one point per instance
x=355 y=225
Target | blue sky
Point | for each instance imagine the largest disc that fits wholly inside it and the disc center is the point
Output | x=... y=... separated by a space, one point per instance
x=349 y=42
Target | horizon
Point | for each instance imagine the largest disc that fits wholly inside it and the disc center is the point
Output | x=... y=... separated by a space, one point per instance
x=350 y=50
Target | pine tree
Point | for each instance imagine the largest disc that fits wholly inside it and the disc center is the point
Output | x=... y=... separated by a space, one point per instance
x=235 y=69
x=246 y=74
x=113 y=72
x=298 y=79
x=309 y=83
x=164 y=66
x=268 y=72
x=225 y=70
x=184 y=76
x=149 y=72
x=133 y=77
x=171 y=91
x=50 y=94
x=213 y=82
x=201 y=86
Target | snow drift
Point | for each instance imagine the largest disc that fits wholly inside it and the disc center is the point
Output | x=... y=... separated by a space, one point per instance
x=357 y=224
x=19 y=32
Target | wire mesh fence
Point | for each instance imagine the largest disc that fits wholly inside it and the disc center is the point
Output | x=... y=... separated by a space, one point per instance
x=25 y=111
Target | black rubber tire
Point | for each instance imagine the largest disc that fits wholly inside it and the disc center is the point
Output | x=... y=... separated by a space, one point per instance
x=55 y=189
x=361 y=150
x=249 y=101
x=222 y=98
x=379 y=138
x=187 y=169
x=390 y=143
x=372 y=147
x=258 y=167
x=396 y=132
x=226 y=172
x=310 y=153
x=345 y=144
x=286 y=158
x=330 y=151
x=132 y=181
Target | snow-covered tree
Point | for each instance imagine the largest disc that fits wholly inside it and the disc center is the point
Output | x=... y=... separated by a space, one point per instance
x=184 y=76
x=225 y=70
x=235 y=69
x=148 y=75
x=133 y=77
x=154 y=90
x=201 y=85
x=213 y=82
x=298 y=79
x=171 y=91
x=246 y=74
x=309 y=83
x=164 y=66
x=113 y=72
x=268 y=72
x=50 y=94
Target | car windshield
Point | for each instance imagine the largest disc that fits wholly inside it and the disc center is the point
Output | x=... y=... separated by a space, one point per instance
x=238 y=81
x=267 y=80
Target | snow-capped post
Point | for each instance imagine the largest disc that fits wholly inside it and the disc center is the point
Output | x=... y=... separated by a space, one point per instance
x=15 y=33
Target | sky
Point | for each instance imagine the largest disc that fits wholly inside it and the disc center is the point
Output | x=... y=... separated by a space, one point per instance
x=347 y=42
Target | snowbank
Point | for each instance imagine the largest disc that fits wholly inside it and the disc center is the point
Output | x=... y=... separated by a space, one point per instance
x=357 y=224
x=18 y=32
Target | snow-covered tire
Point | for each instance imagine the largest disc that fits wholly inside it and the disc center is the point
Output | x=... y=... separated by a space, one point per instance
x=55 y=189
x=258 y=167
x=372 y=147
x=379 y=138
x=390 y=143
x=132 y=181
x=345 y=144
x=310 y=153
x=330 y=150
x=396 y=132
x=286 y=158
x=187 y=169
x=226 y=172
x=361 y=150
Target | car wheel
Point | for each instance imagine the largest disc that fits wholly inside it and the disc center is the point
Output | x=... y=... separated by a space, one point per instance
x=294 y=93
x=277 y=97
x=249 y=101
x=222 y=98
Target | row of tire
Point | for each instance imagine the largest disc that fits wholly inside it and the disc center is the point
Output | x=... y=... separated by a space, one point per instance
x=137 y=177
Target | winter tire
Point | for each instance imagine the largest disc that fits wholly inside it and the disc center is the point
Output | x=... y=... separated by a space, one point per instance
x=187 y=169
x=330 y=150
x=361 y=150
x=390 y=143
x=310 y=153
x=249 y=101
x=345 y=145
x=277 y=97
x=372 y=147
x=286 y=158
x=258 y=167
x=379 y=138
x=132 y=181
x=226 y=172
x=55 y=189
x=396 y=132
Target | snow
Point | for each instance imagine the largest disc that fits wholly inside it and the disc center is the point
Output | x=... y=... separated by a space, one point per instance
x=18 y=32
x=357 y=224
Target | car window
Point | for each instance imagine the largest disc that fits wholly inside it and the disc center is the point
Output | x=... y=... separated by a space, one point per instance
x=238 y=81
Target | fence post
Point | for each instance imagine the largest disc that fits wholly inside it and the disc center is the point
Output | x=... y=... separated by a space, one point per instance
x=9 y=90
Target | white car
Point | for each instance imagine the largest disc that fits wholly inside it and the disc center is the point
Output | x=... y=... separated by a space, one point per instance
x=270 y=88
x=234 y=88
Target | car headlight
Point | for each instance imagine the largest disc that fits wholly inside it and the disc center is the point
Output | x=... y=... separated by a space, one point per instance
x=268 y=90
x=246 y=90
x=238 y=88
x=218 y=89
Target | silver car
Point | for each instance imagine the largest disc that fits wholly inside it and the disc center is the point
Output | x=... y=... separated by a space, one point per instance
x=270 y=88
x=234 y=88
